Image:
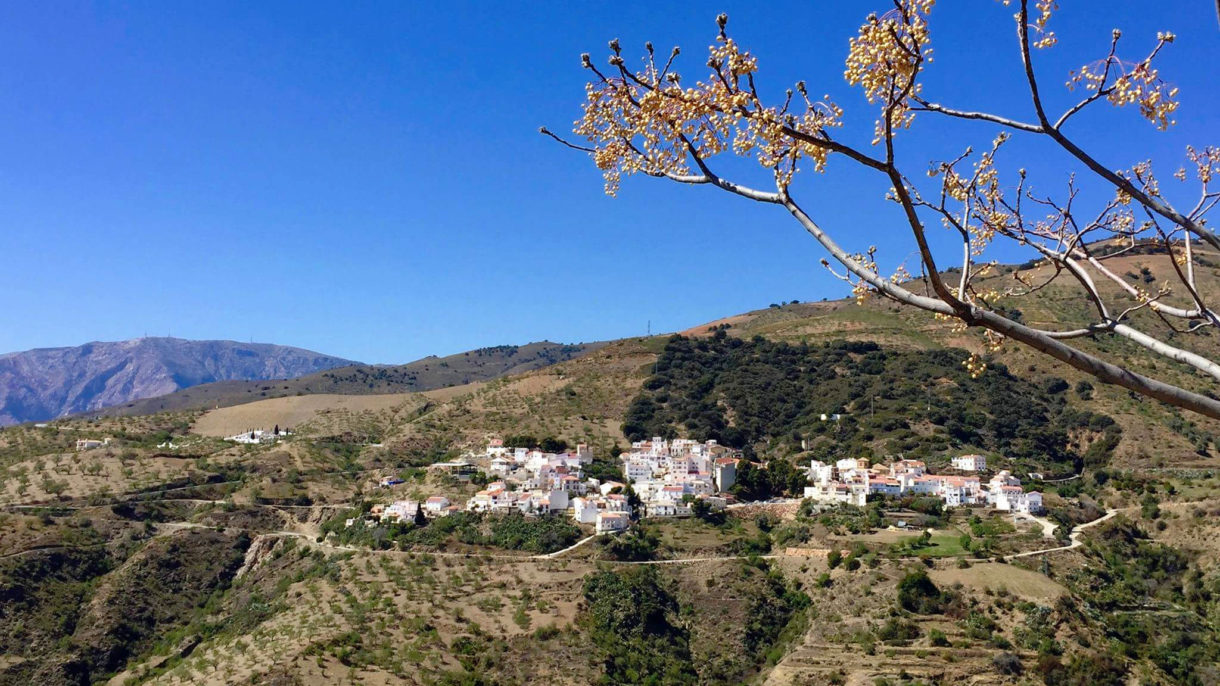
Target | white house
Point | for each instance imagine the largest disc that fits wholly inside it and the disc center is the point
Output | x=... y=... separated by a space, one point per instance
x=923 y=484
x=837 y=493
x=610 y=522
x=638 y=469
x=1013 y=499
x=495 y=498
x=724 y=473
x=584 y=454
x=884 y=485
x=956 y=491
x=584 y=510
x=912 y=467
x=1033 y=501
x=664 y=508
x=970 y=463
x=820 y=472
x=616 y=502
x=544 y=502
x=436 y=505
x=401 y=510
x=609 y=486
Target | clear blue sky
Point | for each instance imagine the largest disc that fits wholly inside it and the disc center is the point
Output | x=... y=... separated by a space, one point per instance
x=367 y=180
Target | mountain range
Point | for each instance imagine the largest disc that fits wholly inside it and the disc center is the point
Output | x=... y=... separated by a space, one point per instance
x=425 y=374
x=147 y=375
x=46 y=383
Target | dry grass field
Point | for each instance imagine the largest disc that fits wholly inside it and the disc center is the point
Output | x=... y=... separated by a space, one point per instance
x=297 y=411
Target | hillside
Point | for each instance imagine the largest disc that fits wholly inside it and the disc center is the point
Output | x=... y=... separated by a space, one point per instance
x=847 y=400
x=42 y=384
x=587 y=398
x=421 y=375
x=1153 y=433
x=170 y=556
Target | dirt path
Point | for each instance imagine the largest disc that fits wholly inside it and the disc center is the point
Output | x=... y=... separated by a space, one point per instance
x=1075 y=537
x=574 y=546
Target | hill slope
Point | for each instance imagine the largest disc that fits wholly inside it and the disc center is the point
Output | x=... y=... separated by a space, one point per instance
x=426 y=374
x=588 y=399
x=52 y=382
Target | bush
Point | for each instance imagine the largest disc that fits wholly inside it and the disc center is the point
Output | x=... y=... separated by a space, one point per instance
x=895 y=630
x=917 y=593
x=1007 y=663
x=629 y=617
x=834 y=558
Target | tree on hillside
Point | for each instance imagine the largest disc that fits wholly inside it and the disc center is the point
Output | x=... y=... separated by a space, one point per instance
x=655 y=122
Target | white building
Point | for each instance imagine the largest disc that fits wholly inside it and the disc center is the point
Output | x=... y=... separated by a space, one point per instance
x=501 y=466
x=912 y=467
x=970 y=463
x=544 y=502
x=837 y=493
x=662 y=508
x=610 y=522
x=724 y=473
x=400 y=511
x=1013 y=499
x=638 y=469
x=257 y=436
x=956 y=491
x=584 y=510
x=608 y=487
x=495 y=498
x=884 y=485
x=436 y=505
x=820 y=472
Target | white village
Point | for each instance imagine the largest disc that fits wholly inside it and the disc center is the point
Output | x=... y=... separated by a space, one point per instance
x=666 y=478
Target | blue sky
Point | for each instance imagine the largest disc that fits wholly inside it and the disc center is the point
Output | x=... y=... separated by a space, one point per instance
x=368 y=181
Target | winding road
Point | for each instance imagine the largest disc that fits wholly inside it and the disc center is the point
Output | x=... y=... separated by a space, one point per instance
x=1074 y=537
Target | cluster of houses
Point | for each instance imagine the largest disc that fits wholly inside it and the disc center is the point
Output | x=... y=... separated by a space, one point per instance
x=532 y=482
x=669 y=476
x=403 y=511
x=852 y=481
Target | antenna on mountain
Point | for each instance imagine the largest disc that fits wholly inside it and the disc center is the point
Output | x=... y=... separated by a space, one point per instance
x=649 y=327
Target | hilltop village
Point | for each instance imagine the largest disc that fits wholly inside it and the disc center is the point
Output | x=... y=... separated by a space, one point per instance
x=672 y=478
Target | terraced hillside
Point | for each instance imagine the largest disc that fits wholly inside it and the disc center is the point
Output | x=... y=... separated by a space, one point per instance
x=169 y=556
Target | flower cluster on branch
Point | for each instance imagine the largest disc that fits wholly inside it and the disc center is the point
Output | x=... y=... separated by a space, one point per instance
x=649 y=120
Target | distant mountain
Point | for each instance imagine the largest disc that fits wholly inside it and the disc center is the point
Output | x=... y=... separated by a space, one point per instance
x=426 y=374
x=46 y=383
